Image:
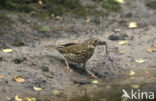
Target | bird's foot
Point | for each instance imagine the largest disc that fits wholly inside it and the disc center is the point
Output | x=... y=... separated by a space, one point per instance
x=68 y=68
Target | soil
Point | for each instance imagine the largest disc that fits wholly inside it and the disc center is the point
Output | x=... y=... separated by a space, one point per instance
x=45 y=68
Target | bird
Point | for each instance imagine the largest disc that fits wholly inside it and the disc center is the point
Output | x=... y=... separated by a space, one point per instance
x=79 y=52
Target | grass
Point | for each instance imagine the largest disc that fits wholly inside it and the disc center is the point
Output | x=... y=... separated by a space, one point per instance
x=58 y=7
x=111 y=5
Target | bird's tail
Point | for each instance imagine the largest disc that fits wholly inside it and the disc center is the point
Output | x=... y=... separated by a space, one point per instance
x=52 y=47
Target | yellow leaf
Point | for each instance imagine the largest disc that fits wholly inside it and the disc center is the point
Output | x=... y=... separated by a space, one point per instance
x=40 y=2
x=87 y=20
x=123 y=42
x=52 y=16
x=132 y=25
x=95 y=82
x=7 y=50
x=131 y=73
x=140 y=61
x=121 y=52
x=31 y=99
x=1 y=76
x=19 y=79
x=135 y=86
x=149 y=50
x=120 y=1
x=17 y=98
x=146 y=72
x=56 y=92
x=37 y=88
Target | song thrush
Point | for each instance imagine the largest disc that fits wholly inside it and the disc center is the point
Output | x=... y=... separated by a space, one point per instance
x=79 y=52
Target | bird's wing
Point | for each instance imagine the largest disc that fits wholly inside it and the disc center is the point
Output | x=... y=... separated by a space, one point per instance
x=73 y=49
x=69 y=44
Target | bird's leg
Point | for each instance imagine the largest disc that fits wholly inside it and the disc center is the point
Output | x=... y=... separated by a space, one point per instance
x=67 y=66
x=92 y=75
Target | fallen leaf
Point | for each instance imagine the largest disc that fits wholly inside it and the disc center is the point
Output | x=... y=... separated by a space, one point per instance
x=131 y=73
x=120 y=1
x=132 y=25
x=45 y=29
x=7 y=50
x=87 y=20
x=48 y=75
x=40 y=2
x=95 y=82
x=146 y=72
x=37 y=88
x=56 y=92
x=58 y=18
x=140 y=61
x=19 y=79
x=1 y=76
x=121 y=52
x=135 y=86
x=150 y=50
x=17 y=98
x=52 y=16
x=31 y=99
x=153 y=78
x=123 y=42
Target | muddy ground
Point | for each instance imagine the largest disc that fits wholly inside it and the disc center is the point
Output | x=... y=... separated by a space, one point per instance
x=34 y=61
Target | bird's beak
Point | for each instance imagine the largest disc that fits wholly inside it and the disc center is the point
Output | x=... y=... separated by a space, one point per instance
x=103 y=42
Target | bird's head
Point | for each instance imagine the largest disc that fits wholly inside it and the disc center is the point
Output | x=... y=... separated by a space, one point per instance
x=94 y=42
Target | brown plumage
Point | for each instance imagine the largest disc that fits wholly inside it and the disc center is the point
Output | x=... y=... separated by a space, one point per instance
x=80 y=52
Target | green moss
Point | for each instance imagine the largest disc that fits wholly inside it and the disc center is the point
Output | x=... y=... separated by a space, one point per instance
x=18 y=43
x=151 y=4
x=111 y=5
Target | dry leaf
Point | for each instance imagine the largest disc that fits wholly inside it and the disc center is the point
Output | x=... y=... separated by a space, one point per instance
x=17 y=98
x=140 y=61
x=120 y=1
x=87 y=20
x=135 y=86
x=7 y=50
x=121 y=52
x=132 y=25
x=19 y=79
x=95 y=82
x=52 y=16
x=40 y=2
x=123 y=42
x=146 y=72
x=150 y=50
x=1 y=76
x=56 y=92
x=37 y=88
x=131 y=73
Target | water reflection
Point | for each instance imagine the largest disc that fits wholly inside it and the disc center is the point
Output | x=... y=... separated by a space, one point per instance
x=110 y=90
